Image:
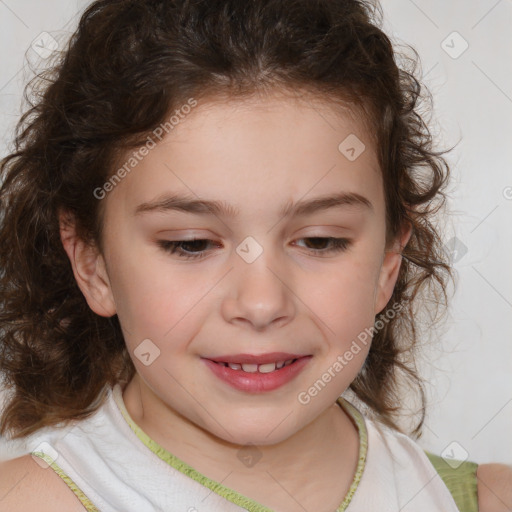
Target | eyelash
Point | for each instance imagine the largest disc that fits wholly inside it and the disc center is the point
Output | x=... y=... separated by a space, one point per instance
x=172 y=247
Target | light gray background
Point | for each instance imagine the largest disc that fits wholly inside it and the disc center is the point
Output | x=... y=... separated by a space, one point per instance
x=469 y=365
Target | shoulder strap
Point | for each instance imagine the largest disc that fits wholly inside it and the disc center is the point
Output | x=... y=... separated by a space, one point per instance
x=460 y=478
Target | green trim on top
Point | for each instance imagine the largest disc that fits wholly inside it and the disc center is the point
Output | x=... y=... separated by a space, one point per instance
x=230 y=494
x=460 y=478
x=358 y=419
x=86 y=502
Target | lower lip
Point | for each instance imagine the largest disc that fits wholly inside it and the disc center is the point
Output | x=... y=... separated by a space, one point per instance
x=257 y=382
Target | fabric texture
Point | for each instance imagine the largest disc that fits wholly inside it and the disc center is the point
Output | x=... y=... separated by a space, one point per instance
x=460 y=478
x=112 y=465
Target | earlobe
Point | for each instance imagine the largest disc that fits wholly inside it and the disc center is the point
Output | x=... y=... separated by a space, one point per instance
x=390 y=269
x=88 y=268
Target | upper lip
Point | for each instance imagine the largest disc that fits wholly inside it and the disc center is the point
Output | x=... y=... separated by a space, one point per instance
x=271 y=357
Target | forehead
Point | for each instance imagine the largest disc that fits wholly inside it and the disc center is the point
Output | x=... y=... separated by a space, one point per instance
x=257 y=152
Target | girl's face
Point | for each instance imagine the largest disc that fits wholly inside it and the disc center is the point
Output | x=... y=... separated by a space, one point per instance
x=258 y=286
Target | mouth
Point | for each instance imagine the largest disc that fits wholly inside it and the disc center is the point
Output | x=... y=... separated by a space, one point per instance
x=263 y=363
x=252 y=373
x=260 y=368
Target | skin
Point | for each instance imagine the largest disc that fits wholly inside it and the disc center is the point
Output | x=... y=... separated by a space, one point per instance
x=494 y=487
x=287 y=299
x=290 y=299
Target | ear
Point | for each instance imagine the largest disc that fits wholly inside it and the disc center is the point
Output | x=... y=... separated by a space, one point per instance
x=88 y=268
x=390 y=268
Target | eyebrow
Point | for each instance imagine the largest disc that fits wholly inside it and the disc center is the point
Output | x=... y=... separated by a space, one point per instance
x=221 y=208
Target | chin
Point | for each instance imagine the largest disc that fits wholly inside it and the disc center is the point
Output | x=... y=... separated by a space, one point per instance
x=250 y=432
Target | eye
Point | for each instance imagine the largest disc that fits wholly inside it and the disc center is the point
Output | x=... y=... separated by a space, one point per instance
x=334 y=245
x=187 y=249
x=197 y=248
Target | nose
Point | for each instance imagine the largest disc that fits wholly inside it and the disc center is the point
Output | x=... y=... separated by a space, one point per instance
x=259 y=294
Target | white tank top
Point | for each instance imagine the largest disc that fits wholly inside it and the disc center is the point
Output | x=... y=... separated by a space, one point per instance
x=113 y=466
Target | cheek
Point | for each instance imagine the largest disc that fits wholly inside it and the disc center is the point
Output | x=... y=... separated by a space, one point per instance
x=343 y=297
x=152 y=301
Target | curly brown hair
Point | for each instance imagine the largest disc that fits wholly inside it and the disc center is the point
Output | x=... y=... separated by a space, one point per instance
x=128 y=65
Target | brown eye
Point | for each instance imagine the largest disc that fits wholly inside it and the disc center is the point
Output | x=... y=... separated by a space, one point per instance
x=187 y=249
x=318 y=244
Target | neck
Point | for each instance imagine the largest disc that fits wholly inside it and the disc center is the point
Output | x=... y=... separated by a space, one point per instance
x=331 y=440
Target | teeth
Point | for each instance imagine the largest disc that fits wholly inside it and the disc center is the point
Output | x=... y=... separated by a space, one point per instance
x=261 y=368
x=250 y=368
x=267 y=368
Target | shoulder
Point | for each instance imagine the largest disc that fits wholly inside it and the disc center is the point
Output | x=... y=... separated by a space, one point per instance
x=25 y=485
x=494 y=487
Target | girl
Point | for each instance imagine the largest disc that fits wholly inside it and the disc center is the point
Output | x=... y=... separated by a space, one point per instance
x=214 y=226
